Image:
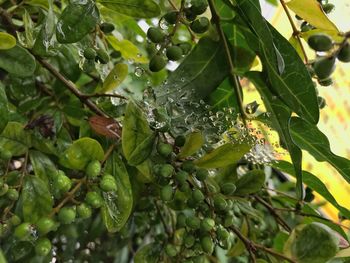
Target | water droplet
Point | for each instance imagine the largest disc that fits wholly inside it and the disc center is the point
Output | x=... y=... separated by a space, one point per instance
x=139 y=71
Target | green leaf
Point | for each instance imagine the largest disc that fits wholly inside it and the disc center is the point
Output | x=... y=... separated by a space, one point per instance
x=223 y=156
x=142 y=151
x=135 y=8
x=128 y=50
x=115 y=77
x=118 y=204
x=15 y=139
x=2 y=257
x=148 y=254
x=81 y=152
x=311 y=11
x=279 y=115
x=194 y=141
x=36 y=198
x=294 y=86
x=68 y=64
x=135 y=130
x=224 y=96
x=315 y=184
x=7 y=41
x=43 y=167
x=76 y=21
x=308 y=137
x=250 y=183
x=4 y=111
x=343 y=253
x=191 y=78
x=239 y=247
x=17 y=61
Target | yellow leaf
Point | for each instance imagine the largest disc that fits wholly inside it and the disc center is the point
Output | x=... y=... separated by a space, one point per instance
x=194 y=142
x=333 y=34
x=311 y=11
x=115 y=78
x=295 y=43
x=128 y=49
x=6 y=41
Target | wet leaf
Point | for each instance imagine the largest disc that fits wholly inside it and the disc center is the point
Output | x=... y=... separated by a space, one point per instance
x=36 y=198
x=4 y=111
x=134 y=8
x=7 y=41
x=250 y=183
x=115 y=77
x=77 y=20
x=15 y=139
x=17 y=61
x=43 y=167
x=81 y=152
x=223 y=156
x=117 y=204
x=194 y=141
x=148 y=253
x=142 y=151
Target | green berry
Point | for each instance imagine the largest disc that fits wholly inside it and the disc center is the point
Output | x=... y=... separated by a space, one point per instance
x=108 y=183
x=200 y=25
x=4 y=189
x=189 y=240
x=62 y=182
x=166 y=170
x=67 y=215
x=44 y=225
x=12 y=194
x=320 y=42
x=219 y=203
x=207 y=224
x=174 y=53
x=321 y=102
x=325 y=82
x=197 y=195
x=157 y=63
x=198 y=7
x=170 y=250
x=180 y=140
x=344 y=53
x=181 y=176
x=190 y=16
x=89 y=53
x=155 y=34
x=185 y=187
x=107 y=28
x=88 y=66
x=229 y=220
x=93 y=169
x=188 y=166
x=43 y=247
x=193 y=222
x=84 y=211
x=181 y=220
x=324 y=67
x=306 y=27
x=222 y=234
x=15 y=220
x=102 y=56
x=327 y=8
x=186 y=48
x=116 y=54
x=23 y=231
x=94 y=199
x=228 y=188
x=207 y=244
x=166 y=193
x=171 y=17
x=164 y=149
x=201 y=174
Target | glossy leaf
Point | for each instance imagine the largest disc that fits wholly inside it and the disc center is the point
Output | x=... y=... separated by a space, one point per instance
x=81 y=152
x=76 y=21
x=69 y=67
x=4 y=111
x=36 y=199
x=128 y=50
x=250 y=183
x=224 y=96
x=311 y=11
x=223 y=156
x=15 y=139
x=17 y=61
x=148 y=253
x=315 y=184
x=7 y=41
x=279 y=116
x=43 y=167
x=134 y=8
x=115 y=77
x=191 y=78
x=194 y=141
x=308 y=137
x=142 y=151
x=117 y=204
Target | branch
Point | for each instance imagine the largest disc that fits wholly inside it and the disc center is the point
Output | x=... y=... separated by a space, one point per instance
x=296 y=32
x=7 y=22
x=236 y=85
x=98 y=95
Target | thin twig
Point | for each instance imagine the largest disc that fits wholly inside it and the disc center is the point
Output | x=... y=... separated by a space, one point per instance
x=7 y=22
x=97 y=95
x=236 y=85
x=296 y=32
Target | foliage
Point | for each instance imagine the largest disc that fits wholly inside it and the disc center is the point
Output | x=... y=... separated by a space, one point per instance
x=124 y=137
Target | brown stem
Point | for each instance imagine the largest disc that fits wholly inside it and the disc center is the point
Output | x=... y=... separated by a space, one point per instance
x=98 y=95
x=236 y=85
x=162 y=219
x=7 y=22
x=296 y=32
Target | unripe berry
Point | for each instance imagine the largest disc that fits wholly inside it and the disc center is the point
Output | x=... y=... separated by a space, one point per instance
x=84 y=211
x=155 y=34
x=207 y=224
x=200 y=25
x=228 y=188
x=197 y=195
x=23 y=231
x=219 y=203
x=181 y=176
x=89 y=53
x=44 y=225
x=344 y=53
x=102 y=56
x=180 y=140
x=67 y=215
x=320 y=42
x=207 y=244
x=201 y=174
x=164 y=149
x=4 y=189
x=198 y=7
x=43 y=247
x=166 y=170
x=188 y=166
x=180 y=220
x=93 y=169
x=107 y=28
x=108 y=183
x=171 y=17
x=62 y=182
x=94 y=199
x=166 y=193
x=170 y=250
x=193 y=222
x=15 y=220
x=174 y=53
x=12 y=194
x=157 y=63
x=189 y=240
x=324 y=67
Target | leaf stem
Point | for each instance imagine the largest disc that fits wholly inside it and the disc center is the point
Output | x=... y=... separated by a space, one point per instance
x=296 y=32
x=234 y=78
